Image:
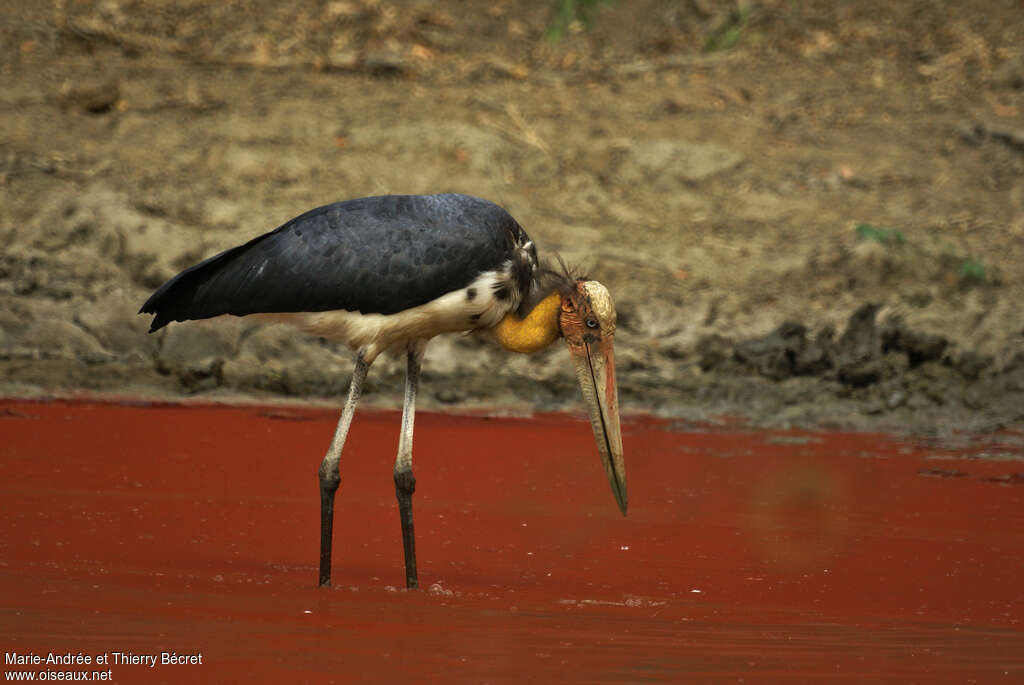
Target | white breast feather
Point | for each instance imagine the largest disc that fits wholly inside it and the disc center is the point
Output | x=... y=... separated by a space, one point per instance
x=377 y=333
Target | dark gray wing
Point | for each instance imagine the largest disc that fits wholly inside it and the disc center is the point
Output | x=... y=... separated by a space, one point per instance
x=372 y=255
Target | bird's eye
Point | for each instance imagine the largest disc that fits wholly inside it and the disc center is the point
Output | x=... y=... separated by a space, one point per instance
x=591 y=322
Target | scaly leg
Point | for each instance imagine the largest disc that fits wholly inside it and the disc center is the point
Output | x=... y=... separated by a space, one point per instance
x=405 y=482
x=330 y=478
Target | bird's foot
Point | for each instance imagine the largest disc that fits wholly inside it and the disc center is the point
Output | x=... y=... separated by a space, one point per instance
x=329 y=482
x=405 y=486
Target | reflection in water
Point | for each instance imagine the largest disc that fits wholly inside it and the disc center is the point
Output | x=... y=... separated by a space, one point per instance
x=800 y=515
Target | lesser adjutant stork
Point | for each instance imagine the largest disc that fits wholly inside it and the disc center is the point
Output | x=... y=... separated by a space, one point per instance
x=387 y=274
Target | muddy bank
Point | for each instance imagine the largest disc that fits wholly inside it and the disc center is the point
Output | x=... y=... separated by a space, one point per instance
x=871 y=375
x=814 y=222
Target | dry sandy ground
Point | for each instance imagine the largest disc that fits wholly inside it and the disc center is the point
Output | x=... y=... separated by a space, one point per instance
x=808 y=212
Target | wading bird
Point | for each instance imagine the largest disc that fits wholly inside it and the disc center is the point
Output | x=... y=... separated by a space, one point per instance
x=387 y=274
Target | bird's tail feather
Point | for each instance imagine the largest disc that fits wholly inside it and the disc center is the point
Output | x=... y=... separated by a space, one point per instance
x=183 y=297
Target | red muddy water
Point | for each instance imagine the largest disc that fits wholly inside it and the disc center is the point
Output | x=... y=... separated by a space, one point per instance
x=747 y=555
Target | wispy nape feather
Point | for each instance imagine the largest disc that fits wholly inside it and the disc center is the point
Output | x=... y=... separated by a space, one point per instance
x=561 y=277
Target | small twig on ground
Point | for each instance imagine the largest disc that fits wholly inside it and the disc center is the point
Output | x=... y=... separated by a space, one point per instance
x=98 y=30
x=521 y=131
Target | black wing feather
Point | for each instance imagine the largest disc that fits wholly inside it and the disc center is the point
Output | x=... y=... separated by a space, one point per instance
x=371 y=255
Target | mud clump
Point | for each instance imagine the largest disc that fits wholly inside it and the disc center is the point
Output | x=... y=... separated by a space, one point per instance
x=885 y=367
x=783 y=353
x=862 y=356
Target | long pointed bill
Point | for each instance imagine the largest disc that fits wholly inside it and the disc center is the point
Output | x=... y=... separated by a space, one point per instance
x=595 y=370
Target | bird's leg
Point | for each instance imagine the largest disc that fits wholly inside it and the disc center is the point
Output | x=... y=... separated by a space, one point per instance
x=330 y=477
x=405 y=482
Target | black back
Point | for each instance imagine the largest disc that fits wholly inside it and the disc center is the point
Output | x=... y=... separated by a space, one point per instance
x=371 y=255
